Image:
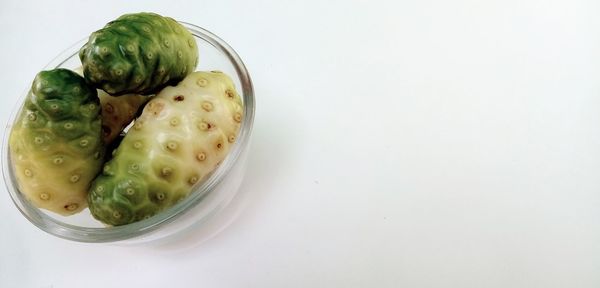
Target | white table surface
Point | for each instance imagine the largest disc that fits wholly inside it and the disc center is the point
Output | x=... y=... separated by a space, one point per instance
x=396 y=144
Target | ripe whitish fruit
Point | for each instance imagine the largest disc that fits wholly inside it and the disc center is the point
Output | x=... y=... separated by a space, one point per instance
x=182 y=135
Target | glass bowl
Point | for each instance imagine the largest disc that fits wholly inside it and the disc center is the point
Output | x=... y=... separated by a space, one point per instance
x=205 y=200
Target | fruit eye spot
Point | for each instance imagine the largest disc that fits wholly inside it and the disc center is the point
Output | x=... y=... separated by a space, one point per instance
x=237 y=117
x=201 y=156
x=178 y=98
x=130 y=191
x=58 y=160
x=83 y=143
x=204 y=126
x=229 y=93
x=172 y=145
x=166 y=171
x=160 y=196
x=68 y=126
x=44 y=196
x=207 y=106
x=74 y=178
x=202 y=82
x=31 y=117
x=28 y=173
x=71 y=207
x=109 y=108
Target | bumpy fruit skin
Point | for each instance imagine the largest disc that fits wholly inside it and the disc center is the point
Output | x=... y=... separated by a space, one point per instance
x=138 y=53
x=117 y=111
x=182 y=135
x=56 y=144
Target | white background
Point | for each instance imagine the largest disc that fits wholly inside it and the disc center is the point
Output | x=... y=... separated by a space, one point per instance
x=396 y=144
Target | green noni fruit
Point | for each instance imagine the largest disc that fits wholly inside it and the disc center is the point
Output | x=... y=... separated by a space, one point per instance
x=138 y=53
x=56 y=145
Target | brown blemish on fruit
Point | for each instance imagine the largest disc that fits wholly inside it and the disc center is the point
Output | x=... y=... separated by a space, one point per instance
x=71 y=207
x=230 y=94
x=156 y=107
x=204 y=126
x=178 y=98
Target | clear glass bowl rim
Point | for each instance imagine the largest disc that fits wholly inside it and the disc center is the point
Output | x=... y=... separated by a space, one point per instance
x=137 y=229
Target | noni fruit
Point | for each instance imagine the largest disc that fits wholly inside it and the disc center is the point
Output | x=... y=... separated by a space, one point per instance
x=182 y=135
x=56 y=142
x=138 y=53
x=117 y=111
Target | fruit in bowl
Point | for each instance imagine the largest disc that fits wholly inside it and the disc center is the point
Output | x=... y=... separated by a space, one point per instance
x=183 y=124
x=183 y=133
x=56 y=142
